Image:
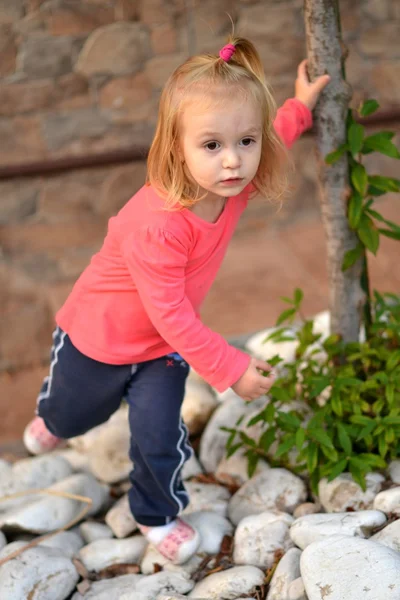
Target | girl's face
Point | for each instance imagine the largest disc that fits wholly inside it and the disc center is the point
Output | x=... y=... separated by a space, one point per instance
x=221 y=144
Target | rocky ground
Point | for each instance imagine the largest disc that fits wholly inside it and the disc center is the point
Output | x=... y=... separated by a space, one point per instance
x=266 y=538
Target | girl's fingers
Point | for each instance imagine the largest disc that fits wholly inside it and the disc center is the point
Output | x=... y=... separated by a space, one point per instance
x=262 y=365
x=302 y=70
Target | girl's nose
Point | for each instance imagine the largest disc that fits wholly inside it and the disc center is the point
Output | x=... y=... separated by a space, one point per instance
x=231 y=160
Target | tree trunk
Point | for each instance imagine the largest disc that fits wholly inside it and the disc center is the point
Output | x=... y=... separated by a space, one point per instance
x=326 y=55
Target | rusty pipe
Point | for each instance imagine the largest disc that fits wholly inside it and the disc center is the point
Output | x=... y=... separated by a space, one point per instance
x=134 y=153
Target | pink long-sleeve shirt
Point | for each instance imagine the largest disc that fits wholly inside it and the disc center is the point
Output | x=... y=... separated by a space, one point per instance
x=140 y=297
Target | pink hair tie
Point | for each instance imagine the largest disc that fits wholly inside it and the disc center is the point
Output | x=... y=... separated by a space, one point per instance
x=226 y=52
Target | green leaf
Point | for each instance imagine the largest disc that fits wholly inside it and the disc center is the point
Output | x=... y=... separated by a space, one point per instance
x=380 y=218
x=368 y=107
x=337 y=469
x=393 y=360
x=289 y=420
x=231 y=439
x=359 y=178
x=233 y=449
x=358 y=476
x=252 y=462
x=239 y=421
x=374 y=191
x=258 y=417
x=391 y=420
x=267 y=439
x=246 y=439
x=285 y=316
x=300 y=438
x=382 y=446
x=379 y=142
x=321 y=436
x=270 y=413
x=386 y=184
x=365 y=431
x=352 y=256
x=279 y=393
x=344 y=439
x=355 y=138
x=394 y=235
x=368 y=234
x=317 y=385
x=298 y=296
x=373 y=460
x=312 y=457
x=361 y=420
x=334 y=156
x=362 y=465
x=285 y=446
x=330 y=453
x=355 y=210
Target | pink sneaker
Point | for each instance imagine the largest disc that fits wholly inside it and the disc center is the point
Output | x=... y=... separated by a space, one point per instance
x=178 y=544
x=38 y=439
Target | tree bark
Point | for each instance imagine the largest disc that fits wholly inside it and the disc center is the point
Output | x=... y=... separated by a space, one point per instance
x=326 y=55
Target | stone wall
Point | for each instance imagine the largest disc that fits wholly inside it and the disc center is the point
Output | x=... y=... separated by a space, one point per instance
x=83 y=77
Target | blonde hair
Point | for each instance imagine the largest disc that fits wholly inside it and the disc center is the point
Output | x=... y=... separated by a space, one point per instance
x=165 y=170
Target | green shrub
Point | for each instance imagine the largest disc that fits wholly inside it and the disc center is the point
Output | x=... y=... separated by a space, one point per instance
x=350 y=394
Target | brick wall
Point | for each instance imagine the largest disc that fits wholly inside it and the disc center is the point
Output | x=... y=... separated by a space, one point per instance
x=83 y=77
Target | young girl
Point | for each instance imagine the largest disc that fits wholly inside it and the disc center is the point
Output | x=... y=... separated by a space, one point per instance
x=131 y=327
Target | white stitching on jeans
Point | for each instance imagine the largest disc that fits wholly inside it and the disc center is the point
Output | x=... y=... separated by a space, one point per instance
x=49 y=379
x=178 y=468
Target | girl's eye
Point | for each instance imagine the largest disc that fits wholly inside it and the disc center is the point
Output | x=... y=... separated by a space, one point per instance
x=247 y=141
x=212 y=146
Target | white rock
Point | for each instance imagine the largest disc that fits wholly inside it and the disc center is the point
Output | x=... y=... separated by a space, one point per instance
x=296 y=590
x=307 y=508
x=31 y=474
x=198 y=405
x=191 y=468
x=38 y=574
x=287 y=571
x=46 y=512
x=41 y=471
x=394 y=471
x=212 y=528
x=120 y=519
x=5 y=469
x=153 y=557
x=213 y=441
x=258 y=537
x=103 y=553
x=343 y=492
x=207 y=496
x=228 y=584
x=342 y=567
x=12 y=547
x=78 y=461
x=109 y=459
x=236 y=466
x=137 y=587
x=312 y=528
x=259 y=348
x=276 y=489
x=88 y=442
x=389 y=536
x=180 y=597
x=92 y=531
x=388 y=501
x=68 y=542
x=3 y=540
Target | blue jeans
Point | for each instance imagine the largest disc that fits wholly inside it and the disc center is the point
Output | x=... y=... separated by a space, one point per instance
x=81 y=393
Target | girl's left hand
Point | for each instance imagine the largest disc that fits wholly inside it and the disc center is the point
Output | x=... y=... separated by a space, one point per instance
x=306 y=91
